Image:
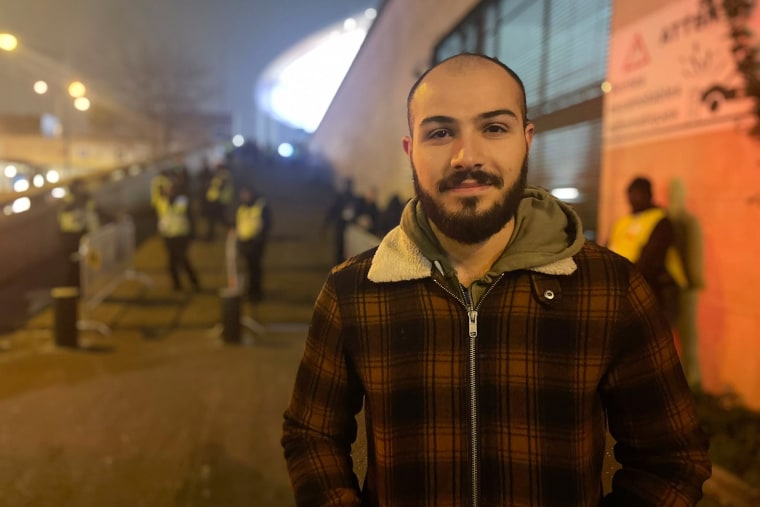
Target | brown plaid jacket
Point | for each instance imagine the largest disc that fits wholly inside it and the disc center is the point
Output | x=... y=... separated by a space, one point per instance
x=514 y=416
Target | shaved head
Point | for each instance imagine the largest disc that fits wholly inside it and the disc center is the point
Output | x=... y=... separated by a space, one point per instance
x=463 y=63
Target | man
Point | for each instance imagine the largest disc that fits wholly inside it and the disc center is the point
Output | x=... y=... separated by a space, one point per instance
x=489 y=345
x=646 y=238
x=175 y=226
x=218 y=199
x=340 y=214
x=252 y=225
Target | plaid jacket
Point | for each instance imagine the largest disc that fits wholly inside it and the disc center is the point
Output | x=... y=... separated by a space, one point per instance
x=505 y=404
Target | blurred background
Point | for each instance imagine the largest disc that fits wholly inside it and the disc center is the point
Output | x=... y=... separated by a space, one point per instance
x=296 y=98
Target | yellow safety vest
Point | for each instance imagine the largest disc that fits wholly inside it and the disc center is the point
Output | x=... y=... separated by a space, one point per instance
x=249 y=221
x=172 y=217
x=631 y=233
x=158 y=185
x=219 y=190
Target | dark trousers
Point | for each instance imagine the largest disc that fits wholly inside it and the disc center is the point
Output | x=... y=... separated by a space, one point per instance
x=70 y=244
x=216 y=213
x=177 y=248
x=253 y=253
x=340 y=242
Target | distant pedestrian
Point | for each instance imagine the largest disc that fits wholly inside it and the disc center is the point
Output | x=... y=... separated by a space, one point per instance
x=390 y=216
x=218 y=200
x=646 y=237
x=252 y=225
x=342 y=211
x=174 y=225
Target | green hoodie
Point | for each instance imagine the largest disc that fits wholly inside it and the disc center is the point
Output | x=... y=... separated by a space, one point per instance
x=546 y=230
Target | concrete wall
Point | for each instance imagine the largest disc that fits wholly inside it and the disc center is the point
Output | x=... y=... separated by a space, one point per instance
x=361 y=132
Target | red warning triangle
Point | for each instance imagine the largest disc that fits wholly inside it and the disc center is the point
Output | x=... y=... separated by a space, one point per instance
x=637 y=56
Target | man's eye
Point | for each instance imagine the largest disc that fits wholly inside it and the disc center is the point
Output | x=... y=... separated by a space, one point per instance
x=495 y=128
x=439 y=134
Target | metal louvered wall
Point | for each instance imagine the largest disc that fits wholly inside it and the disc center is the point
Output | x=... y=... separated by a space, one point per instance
x=559 y=50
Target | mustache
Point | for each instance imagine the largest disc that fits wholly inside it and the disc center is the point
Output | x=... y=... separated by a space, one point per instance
x=481 y=177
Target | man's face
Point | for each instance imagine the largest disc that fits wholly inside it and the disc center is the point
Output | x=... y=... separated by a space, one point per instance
x=638 y=199
x=468 y=149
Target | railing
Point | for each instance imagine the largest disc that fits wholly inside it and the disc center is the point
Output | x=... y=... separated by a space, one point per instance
x=105 y=260
x=358 y=239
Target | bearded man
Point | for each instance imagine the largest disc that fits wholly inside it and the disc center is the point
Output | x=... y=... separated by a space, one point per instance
x=488 y=343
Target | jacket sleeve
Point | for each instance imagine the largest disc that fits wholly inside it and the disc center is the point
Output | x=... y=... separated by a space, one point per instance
x=651 y=411
x=320 y=422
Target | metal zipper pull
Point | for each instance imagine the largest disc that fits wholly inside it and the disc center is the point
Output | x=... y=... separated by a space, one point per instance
x=473 y=318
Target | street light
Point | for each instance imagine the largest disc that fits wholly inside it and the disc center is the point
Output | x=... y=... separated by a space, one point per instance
x=77 y=89
x=82 y=103
x=40 y=87
x=8 y=42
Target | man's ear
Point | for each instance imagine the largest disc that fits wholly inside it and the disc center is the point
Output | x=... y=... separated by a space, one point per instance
x=406 y=143
x=530 y=129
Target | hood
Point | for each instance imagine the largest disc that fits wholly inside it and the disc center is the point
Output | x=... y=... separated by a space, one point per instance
x=547 y=234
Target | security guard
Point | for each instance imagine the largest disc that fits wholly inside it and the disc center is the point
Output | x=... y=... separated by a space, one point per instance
x=175 y=226
x=218 y=199
x=77 y=216
x=252 y=225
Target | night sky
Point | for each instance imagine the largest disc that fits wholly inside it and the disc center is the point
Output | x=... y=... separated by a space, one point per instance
x=232 y=40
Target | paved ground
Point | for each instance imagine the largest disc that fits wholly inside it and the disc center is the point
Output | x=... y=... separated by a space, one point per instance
x=161 y=412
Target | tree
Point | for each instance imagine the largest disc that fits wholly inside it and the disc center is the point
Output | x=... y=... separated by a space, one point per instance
x=167 y=86
x=745 y=50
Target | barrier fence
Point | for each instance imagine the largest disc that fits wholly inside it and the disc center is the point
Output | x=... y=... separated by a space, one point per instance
x=105 y=259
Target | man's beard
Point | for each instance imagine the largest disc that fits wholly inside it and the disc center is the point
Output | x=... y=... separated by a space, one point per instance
x=466 y=225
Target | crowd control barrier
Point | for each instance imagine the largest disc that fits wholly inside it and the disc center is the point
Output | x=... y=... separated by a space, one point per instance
x=358 y=239
x=105 y=260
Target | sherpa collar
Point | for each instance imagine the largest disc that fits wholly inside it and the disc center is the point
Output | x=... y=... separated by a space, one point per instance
x=398 y=259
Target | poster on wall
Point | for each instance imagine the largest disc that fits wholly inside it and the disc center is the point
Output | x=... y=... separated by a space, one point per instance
x=675 y=73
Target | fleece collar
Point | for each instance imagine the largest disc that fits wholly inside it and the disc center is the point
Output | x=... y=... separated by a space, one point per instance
x=399 y=256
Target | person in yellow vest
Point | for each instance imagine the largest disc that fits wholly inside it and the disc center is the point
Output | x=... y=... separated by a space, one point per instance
x=77 y=216
x=218 y=197
x=646 y=238
x=252 y=224
x=159 y=186
x=175 y=226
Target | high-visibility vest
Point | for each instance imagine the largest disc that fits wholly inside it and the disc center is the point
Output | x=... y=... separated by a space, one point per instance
x=249 y=221
x=172 y=217
x=631 y=234
x=219 y=190
x=78 y=219
x=158 y=185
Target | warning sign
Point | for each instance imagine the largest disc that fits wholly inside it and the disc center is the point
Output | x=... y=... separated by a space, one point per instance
x=637 y=56
x=674 y=72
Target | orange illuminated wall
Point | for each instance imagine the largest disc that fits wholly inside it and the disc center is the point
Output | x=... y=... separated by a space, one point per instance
x=661 y=121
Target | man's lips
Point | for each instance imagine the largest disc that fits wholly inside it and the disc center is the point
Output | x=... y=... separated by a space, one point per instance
x=469 y=179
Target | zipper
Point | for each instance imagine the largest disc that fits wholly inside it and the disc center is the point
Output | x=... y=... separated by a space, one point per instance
x=472 y=331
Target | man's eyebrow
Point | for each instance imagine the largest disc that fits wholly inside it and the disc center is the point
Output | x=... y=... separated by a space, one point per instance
x=482 y=116
x=437 y=119
x=498 y=112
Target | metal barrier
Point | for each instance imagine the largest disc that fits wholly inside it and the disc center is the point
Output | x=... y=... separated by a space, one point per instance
x=232 y=318
x=358 y=239
x=105 y=260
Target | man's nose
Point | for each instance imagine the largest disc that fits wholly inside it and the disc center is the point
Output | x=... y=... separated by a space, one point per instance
x=467 y=153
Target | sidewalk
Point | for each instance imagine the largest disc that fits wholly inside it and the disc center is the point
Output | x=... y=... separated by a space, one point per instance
x=161 y=412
